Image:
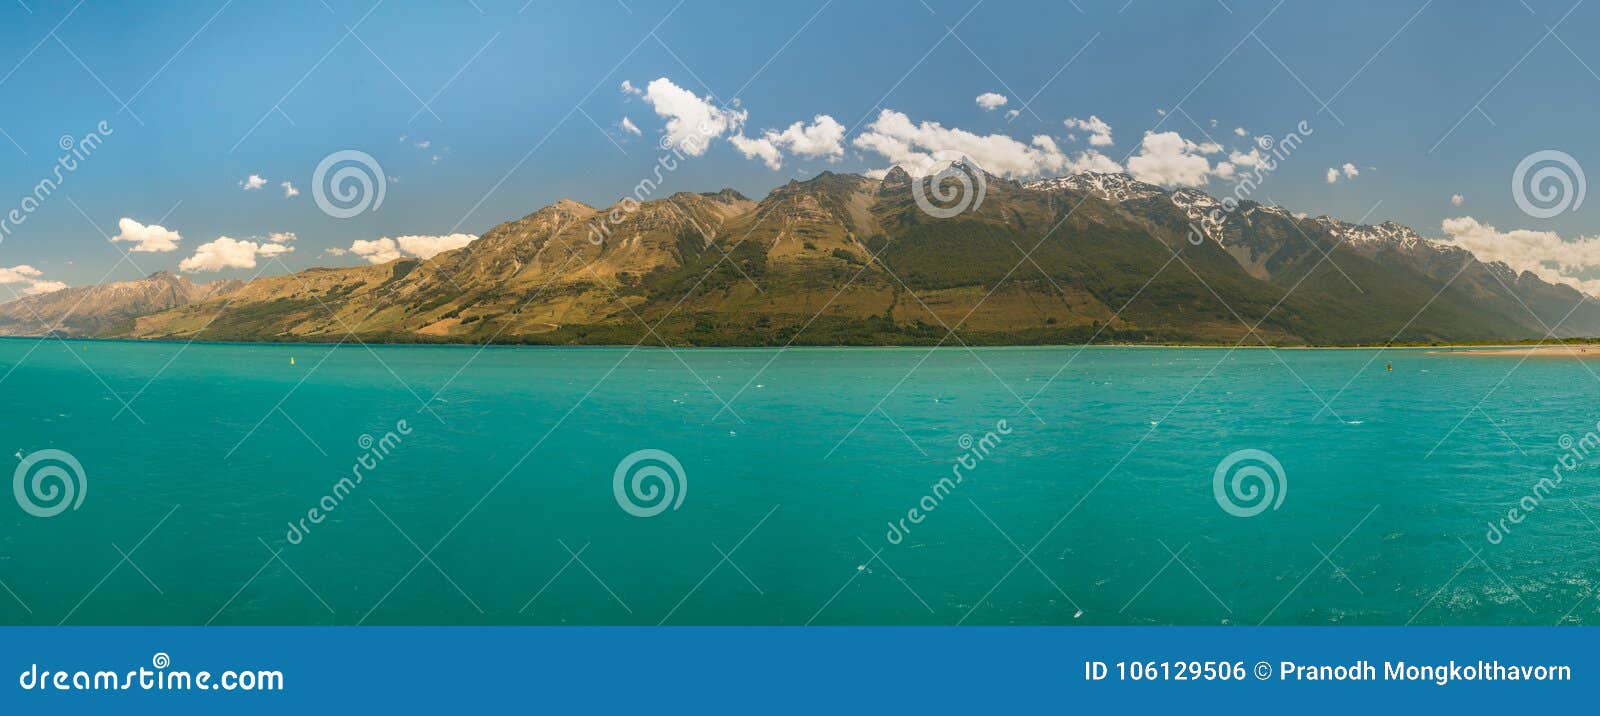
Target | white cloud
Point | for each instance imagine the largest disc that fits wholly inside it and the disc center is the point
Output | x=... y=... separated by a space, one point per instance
x=824 y=137
x=1167 y=159
x=991 y=101
x=289 y=192
x=1457 y=199
x=282 y=237
x=1348 y=170
x=1099 y=131
x=38 y=287
x=225 y=253
x=1251 y=159
x=1012 y=113
x=376 y=251
x=424 y=144
x=628 y=126
x=1240 y=132
x=385 y=249
x=334 y=251
x=147 y=239
x=628 y=88
x=1092 y=161
x=1544 y=253
x=911 y=145
x=1213 y=122
x=692 y=122
x=252 y=182
x=29 y=275
x=426 y=247
x=19 y=274
x=764 y=148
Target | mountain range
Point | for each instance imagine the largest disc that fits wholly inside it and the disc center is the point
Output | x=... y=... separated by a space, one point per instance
x=845 y=259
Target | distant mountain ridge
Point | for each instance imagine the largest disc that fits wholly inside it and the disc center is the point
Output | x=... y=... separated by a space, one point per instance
x=844 y=259
x=105 y=309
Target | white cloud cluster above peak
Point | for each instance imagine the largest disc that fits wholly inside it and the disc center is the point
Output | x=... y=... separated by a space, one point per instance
x=1543 y=253
x=1167 y=159
x=146 y=239
x=912 y=145
x=384 y=250
x=921 y=147
x=991 y=101
x=823 y=138
x=226 y=253
x=692 y=121
x=1099 y=131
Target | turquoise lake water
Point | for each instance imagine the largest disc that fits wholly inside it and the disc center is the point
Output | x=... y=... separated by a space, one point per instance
x=508 y=468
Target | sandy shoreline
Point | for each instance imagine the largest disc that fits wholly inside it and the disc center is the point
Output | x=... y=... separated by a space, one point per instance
x=1576 y=350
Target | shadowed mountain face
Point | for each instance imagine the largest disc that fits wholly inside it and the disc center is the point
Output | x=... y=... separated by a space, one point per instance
x=107 y=309
x=842 y=259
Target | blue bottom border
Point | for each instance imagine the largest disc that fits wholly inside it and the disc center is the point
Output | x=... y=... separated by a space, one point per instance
x=797 y=670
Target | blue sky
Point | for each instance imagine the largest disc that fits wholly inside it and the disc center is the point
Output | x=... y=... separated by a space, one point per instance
x=1424 y=100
